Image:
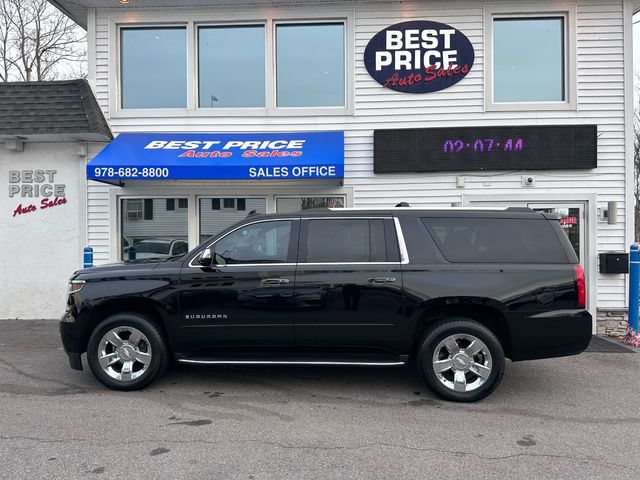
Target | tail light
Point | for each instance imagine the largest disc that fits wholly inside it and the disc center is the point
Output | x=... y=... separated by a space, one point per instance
x=581 y=286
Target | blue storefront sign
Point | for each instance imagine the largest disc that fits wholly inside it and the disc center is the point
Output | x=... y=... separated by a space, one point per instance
x=237 y=156
x=419 y=56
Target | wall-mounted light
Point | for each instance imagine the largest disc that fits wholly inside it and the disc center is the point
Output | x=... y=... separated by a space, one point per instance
x=610 y=214
x=124 y=2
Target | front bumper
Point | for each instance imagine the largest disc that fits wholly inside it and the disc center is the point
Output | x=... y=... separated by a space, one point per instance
x=72 y=343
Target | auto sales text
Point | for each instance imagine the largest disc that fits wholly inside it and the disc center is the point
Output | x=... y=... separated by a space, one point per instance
x=428 y=51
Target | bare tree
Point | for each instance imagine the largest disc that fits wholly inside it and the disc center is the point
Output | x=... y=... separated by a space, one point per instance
x=38 y=42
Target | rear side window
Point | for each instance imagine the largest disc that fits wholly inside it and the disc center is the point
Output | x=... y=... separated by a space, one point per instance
x=496 y=240
x=345 y=240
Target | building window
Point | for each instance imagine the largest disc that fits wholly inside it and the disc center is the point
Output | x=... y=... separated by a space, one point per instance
x=530 y=64
x=260 y=68
x=229 y=203
x=171 y=204
x=295 y=204
x=183 y=203
x=305 y=79
x=528 y=60
x=153 y=67
x=224 y=55
x=150 y=231
x=133 y=210
x=215 y=220
x=148 y=209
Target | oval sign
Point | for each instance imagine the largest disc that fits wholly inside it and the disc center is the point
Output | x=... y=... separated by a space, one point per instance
x=419 y=56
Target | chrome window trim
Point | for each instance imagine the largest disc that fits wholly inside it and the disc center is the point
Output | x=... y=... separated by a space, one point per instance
x=404 y=254
x=404 y=257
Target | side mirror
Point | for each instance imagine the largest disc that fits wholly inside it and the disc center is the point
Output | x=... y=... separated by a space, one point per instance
x=206 y=260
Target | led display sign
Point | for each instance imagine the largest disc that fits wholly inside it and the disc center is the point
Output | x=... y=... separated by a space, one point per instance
x=557 y=147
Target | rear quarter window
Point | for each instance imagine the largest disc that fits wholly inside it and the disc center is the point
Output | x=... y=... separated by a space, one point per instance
x=496 y=240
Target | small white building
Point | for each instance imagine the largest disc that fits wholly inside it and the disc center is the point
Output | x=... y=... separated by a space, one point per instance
x=45 y=128
x=440 y=103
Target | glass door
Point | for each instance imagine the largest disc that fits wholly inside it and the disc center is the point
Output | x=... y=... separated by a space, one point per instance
x=572 y=222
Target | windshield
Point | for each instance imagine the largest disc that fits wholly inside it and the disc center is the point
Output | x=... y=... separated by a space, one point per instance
x=152 y=247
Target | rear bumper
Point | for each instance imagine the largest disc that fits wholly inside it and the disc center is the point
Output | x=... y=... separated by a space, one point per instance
x=551 y=334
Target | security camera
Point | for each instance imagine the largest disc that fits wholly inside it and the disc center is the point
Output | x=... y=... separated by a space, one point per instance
x=528 y=181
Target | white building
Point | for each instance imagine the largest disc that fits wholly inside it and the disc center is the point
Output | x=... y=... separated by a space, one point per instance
x=44 y=131
x=292 y=67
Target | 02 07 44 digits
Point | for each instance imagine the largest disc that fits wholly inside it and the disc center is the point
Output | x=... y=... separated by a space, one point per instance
x=131 y=172
x=483 y=145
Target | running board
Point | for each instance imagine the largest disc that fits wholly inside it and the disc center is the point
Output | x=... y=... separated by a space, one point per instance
x=363 y=361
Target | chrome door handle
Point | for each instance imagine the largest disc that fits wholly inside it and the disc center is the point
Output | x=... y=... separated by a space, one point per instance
x=380 y=280
x=276 y=281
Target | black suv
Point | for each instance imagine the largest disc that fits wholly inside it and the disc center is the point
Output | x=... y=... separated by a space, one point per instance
x=453 y=290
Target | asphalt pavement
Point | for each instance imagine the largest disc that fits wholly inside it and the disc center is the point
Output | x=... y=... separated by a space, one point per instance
x=575 y=417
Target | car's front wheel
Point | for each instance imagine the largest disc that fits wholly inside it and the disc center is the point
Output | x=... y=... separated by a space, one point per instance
x=461 y=360
x=126 y=352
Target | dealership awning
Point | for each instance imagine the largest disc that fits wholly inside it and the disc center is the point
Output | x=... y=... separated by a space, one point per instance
x=204 y=156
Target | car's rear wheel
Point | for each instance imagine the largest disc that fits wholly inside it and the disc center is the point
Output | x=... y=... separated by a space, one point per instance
x=461 y=360
x=126 y=352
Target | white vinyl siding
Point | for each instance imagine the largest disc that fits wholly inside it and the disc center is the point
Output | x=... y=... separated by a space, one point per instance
x=600 y=100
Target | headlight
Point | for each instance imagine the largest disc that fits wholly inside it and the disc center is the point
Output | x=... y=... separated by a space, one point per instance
x=75 y=286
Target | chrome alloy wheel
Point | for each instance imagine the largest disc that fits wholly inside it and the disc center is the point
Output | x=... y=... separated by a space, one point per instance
x=124 y=353
x=462 y=362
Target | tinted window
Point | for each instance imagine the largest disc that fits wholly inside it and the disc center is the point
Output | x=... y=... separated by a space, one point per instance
x=520 y=47
x=264 y=242
x=154 y=67
x=496 y=240
x=347 y=240
x=224 y=54
x=310 y=65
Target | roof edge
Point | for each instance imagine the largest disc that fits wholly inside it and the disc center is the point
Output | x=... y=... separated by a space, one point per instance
x=80 y=21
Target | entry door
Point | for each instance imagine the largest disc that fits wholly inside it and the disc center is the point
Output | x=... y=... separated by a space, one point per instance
x=349 y=286
x=246 y=298
x=572 y=220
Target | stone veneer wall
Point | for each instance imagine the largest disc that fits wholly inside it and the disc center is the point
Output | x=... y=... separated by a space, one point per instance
x=612 y=322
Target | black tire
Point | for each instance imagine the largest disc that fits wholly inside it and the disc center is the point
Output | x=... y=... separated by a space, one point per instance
x=465 y=327
x=156 y=347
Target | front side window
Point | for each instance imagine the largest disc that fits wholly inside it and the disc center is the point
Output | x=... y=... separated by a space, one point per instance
x=151 y=230
x=231 y=67
x=154 y=67
x=310 y=65
x=529 y=63
x=264 y=242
